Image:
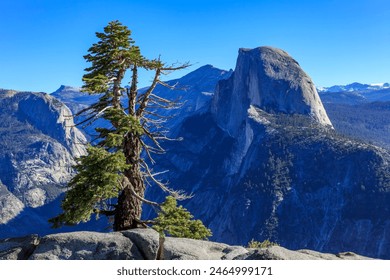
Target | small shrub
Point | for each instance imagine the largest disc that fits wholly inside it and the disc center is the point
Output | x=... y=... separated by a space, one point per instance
x=265 y=244
x=176 y=221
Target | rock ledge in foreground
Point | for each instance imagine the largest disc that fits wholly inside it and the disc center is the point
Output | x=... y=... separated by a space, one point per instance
x=143 y=244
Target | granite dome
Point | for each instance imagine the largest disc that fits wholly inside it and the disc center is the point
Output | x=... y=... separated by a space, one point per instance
x=271 y=80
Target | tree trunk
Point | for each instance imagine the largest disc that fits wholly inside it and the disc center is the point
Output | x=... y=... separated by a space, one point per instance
x=116 y=99
x=160 y=250
x=129 y=208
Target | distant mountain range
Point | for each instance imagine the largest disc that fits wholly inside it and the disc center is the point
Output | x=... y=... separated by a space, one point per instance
x=355 y=87
x=356 y=93
x=266 y=155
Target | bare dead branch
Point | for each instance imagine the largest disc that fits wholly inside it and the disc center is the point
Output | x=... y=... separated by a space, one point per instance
x=160 y=98
x=145 y=99
x=152 y=137
x=130 y=187
x=92 y=118
x=173 y=68
x=177 y=194
x=148 y=151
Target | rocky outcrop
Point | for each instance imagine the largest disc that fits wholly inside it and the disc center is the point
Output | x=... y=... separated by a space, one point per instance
x=143 y=244
x=18 y=248
x=280 y=253
x=10 y=205
x=86 y=246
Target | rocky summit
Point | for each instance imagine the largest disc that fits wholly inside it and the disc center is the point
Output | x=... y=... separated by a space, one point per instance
x=144 y=244
x=271 y=80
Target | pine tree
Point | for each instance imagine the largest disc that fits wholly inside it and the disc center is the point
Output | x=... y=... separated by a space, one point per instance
x=112 y=177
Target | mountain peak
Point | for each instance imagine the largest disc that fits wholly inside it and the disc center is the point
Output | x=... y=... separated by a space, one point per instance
x=206 y=74
x=271 y=80
x=264 y=50
x=66 y=89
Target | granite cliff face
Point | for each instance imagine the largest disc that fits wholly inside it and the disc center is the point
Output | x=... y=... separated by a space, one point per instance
x=264 y=162
x=10 y=205
x=268 y=79
x=38 y=144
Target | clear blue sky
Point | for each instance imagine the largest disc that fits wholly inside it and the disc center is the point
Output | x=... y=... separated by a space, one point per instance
x=335 y=41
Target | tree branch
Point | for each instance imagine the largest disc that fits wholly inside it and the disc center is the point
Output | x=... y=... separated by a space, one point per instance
x=127 y=183
x=179 y=195
x=92 y=118
x=145 y=99
x=104 y=212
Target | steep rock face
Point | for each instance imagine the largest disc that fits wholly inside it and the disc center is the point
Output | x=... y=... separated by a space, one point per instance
x=54 y=119
x=278 y=172
x=10 y=205
x=38 y=144
x=271 y=80
x=299 y=185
